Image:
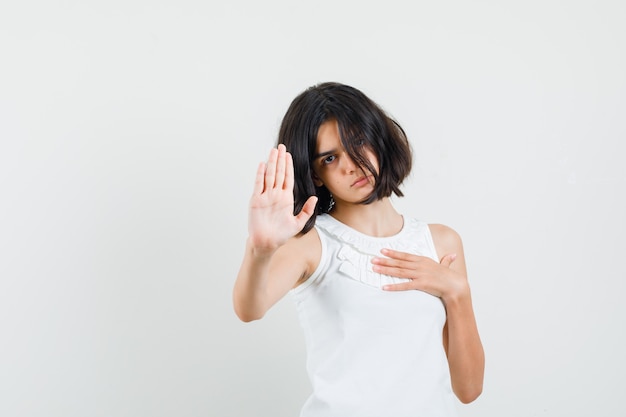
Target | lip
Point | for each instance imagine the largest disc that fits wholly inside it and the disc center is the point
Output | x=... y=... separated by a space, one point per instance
x=361 y=181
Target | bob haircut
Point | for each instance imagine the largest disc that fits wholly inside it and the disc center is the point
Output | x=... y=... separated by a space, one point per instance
x=360 y=121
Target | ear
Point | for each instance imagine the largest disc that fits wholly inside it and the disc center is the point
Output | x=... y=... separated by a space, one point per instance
x=316 y=180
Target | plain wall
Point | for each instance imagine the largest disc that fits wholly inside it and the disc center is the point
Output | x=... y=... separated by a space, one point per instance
x=130 y=132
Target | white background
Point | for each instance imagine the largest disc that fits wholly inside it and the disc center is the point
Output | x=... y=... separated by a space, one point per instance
x=130 y=132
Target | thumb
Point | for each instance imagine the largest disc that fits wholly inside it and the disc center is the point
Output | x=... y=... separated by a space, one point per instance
x=307 y=210
x=448 y=259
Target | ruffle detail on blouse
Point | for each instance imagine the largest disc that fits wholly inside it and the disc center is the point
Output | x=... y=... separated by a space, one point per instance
x=357 y=249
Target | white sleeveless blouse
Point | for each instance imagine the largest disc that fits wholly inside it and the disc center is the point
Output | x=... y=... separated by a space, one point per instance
x=370 y=352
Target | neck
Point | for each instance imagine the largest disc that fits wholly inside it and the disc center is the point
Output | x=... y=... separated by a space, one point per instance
x=378 y=219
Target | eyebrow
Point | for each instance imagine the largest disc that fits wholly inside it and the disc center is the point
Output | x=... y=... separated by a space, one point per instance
x=321 y=154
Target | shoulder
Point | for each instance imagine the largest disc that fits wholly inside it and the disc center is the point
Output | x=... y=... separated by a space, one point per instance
x=445 y=238
x=308 y=239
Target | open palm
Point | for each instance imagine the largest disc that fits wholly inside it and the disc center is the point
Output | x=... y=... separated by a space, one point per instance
x=271 y=221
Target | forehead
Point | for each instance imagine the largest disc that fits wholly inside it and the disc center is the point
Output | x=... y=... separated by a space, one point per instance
x=328 y=137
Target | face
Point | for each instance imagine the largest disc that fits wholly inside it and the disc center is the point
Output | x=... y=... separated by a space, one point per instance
x=335 y=169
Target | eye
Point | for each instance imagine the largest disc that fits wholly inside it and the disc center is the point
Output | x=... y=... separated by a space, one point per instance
x=328 y=159
x=360 y=142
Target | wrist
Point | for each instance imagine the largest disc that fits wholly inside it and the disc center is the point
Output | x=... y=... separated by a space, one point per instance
x=457 y=298
x=261 y=250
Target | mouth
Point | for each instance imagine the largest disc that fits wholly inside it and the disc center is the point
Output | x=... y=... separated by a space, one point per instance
x=361 y=181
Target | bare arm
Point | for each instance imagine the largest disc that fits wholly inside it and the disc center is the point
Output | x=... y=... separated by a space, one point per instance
x=447 y=280
x=273 y=261
x=466 y=357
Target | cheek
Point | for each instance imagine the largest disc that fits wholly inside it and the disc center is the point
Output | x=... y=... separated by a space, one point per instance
x=322 y=176
x=373 y=160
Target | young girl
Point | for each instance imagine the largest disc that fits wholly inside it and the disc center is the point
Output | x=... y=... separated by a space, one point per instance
x=383 y=298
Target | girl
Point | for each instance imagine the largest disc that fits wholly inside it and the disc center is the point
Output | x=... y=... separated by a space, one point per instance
x=383 y=298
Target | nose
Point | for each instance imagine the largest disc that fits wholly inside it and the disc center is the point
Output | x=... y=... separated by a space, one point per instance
x=347 y=163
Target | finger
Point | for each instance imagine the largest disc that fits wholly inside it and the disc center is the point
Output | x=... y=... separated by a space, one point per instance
x=288 y=185
x=395 y=254
x=392 y=271
x=270 y=170
x=280 y=167
x=411 y=286
x=259 y=179
x=404 y=286
x=395 y=263
x=307 y=211
x=448 y=259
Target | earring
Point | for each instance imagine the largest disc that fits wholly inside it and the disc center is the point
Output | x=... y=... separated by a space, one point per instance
x=331 y=203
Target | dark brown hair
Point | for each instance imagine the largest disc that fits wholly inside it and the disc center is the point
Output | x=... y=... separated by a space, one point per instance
x=359 y=119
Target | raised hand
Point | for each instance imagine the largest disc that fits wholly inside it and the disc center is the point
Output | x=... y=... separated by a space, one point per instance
x=425 y=274
x=271 y=221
